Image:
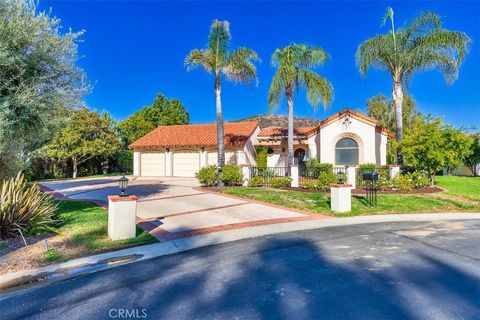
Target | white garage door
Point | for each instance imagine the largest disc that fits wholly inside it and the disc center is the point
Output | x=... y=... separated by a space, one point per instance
x=185 y=164
x=229 y=157
x=152 y=164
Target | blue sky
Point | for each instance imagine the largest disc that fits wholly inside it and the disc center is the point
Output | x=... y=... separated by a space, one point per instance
x=132 y=50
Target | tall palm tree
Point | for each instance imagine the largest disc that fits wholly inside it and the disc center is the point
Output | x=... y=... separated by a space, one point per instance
x=421 y=45
x=237 y=66
x=294 y=64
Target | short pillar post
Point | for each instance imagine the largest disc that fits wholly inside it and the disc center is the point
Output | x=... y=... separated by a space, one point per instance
x=294 y=176
x=122 y=213
x=341 y=197
x=351 y=176
x=394 y=170
x=245 y=174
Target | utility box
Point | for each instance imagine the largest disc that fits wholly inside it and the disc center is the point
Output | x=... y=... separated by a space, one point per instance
x=122 y=214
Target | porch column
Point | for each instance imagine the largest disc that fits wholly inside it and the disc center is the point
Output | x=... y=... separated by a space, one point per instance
x=394 y=170
x=203 y=158
x=351 y=176
x=245 y=174
x=294 y=176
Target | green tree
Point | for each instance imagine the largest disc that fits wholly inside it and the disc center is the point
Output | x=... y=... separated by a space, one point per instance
x=40 y=82
x=382 y=109
x=472 y=161
x=421 y=45
x=163 y=112
x=431 y=145
x=236 y=66
x=294 y=64
x=85 y=136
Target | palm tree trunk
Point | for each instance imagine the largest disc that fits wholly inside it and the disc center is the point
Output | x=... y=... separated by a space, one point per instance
x=289 y=94
x=397 y=94
x=220 y=130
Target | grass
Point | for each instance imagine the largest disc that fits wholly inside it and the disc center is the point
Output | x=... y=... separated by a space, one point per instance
x=52 y=255
x=320 y=203
x=85 y=224
x=466 y=187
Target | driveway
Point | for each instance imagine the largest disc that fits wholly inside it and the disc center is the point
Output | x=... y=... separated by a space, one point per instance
x=400 y=270
x=172 y=208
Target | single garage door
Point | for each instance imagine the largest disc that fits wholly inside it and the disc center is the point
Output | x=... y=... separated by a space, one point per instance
x=212 y=157
x=186 y=164
x=152 y=164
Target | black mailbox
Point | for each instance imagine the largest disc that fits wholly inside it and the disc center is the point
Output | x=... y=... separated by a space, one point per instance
x=370 y=176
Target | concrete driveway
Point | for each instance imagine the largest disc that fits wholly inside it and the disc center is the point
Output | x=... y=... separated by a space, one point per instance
x=172 y=207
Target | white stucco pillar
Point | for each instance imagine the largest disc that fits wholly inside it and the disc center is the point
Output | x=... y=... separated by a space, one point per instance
x=351 y=176
x=341 y=197
x=168 y=163
x=136 y=163
x=122 y=213
x=203 y=158
x=294 y=176
x=246 y=174
x=394 y=170
x=241 y=157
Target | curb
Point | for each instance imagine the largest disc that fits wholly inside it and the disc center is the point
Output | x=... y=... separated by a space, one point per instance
x=66 y=270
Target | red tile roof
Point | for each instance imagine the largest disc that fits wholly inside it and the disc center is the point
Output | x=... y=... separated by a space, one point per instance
x=196 y=135
x=282 y=132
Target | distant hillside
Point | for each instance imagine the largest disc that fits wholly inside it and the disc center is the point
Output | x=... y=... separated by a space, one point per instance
x=281 y=121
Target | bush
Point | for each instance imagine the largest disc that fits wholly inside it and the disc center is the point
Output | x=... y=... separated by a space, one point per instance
x=311 y=185
x=384 y=183
x=23 y=207
x=325 y=167
x=207 y=176
x=261 y=159
x=256 y=181
x=280 y=182
x=403 y=182
x=125 y=160
x=325 y=179
x=420 y=179
x=231 y=175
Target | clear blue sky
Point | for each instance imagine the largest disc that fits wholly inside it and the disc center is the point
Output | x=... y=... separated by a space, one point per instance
x=132 y=50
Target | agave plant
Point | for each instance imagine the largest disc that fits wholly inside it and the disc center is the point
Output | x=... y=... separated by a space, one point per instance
x=23 y=207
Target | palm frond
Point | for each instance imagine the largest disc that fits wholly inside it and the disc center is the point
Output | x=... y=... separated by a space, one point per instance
x=275 y=92
x=310 y=56
x=425 y=22
x=318 y=88
x=199 y=57
x=219 y=42
x=239 y=66
x=377 y=52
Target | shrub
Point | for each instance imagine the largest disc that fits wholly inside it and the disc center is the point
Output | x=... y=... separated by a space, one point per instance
x=280 y=182
x=125 y=160
x=256 y=181
x=403 y=182
x=261 y=159
x=367 y=167
x=313 y=163
x=23 y=207
x=420 y=179
x=325 y=167
x=207 y=176
x=310 y=184
x=231 y=175
x=325 y=179
x=384 y=183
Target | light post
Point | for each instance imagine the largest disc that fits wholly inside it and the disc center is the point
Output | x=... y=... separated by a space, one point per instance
x=123 y=184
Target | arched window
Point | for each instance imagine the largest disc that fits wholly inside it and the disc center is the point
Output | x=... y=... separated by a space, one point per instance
x=346 y=152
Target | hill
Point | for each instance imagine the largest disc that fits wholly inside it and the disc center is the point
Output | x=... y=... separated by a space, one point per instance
x=281 y=121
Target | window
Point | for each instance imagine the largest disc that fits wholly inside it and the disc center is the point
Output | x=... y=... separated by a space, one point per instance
x=346 y=152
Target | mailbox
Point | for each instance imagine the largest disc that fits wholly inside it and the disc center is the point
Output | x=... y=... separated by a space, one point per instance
x=370 y=176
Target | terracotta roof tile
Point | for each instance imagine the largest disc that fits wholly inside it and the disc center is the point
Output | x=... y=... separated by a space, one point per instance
x=196 y=135
x=282 y=132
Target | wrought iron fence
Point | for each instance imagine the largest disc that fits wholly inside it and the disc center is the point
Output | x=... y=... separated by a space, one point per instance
x=264 y=175
x=310 y=174
x=383 y=171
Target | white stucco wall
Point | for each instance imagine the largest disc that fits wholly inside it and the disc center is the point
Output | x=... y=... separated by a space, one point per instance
x=249 y=149
x=136 y=163
x=365 y=135
x=278 y=158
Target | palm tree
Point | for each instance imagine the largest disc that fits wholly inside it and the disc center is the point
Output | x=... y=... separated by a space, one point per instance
x=294 y=64
x=236 y=66
x=421 y=45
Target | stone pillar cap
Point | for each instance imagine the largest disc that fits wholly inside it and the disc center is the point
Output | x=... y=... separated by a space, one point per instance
x=116 y=198
x=338 y=185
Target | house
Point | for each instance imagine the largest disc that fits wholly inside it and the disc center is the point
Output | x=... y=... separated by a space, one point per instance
x=346 y=138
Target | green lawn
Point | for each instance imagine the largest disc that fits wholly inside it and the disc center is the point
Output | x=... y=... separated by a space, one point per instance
x=467 y=187
x=85 y=224
x=319 y=203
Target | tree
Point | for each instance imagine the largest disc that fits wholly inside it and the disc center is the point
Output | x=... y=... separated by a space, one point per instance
x=85 y=136
x=472 y=161
x=431 y=145
x=457 y=147
x=163 y=112
x=237 y=66
x=421 y=45
x=294 y=64
x=40 y=82
x=382 y=109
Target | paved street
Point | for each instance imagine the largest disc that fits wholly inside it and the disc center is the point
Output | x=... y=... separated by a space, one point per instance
x=402 y=270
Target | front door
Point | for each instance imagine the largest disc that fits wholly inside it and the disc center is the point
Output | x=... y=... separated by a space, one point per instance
x=299 y=157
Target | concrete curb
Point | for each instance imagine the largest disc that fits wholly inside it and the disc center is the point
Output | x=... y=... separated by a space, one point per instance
x=67 y=269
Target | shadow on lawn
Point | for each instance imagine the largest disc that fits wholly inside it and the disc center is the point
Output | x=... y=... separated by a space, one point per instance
x=275 y=278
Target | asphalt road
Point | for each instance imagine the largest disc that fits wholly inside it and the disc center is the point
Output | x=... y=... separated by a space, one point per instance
x=415 y=270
